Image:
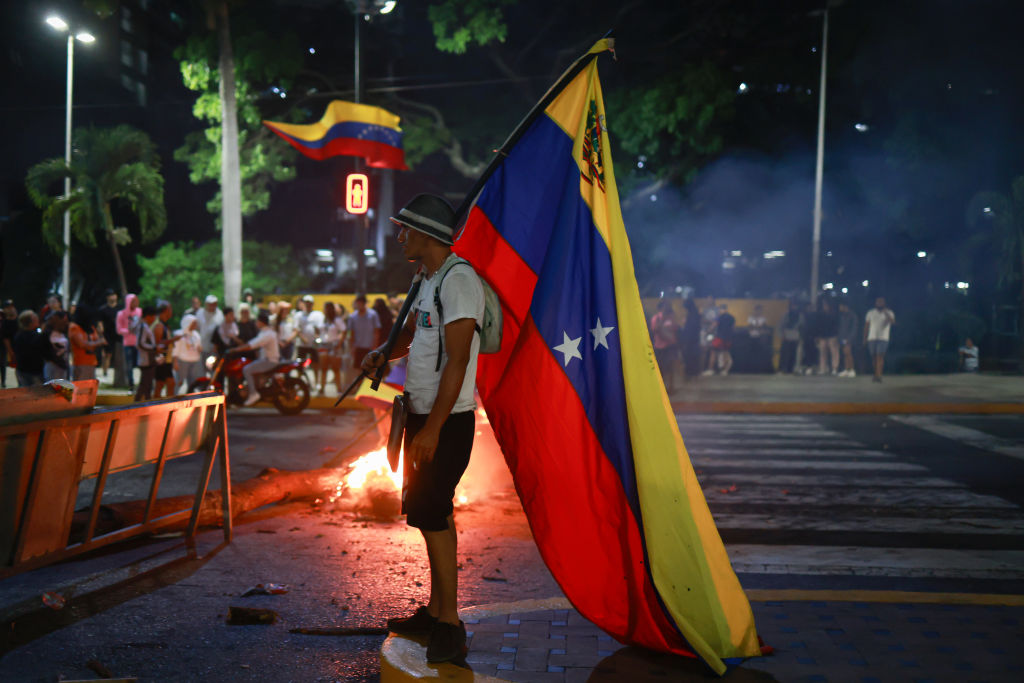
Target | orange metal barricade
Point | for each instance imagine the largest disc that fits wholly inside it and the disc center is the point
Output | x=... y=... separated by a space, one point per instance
x=42 y=463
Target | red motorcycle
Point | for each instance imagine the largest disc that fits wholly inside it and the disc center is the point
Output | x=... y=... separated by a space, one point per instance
x=288 y=392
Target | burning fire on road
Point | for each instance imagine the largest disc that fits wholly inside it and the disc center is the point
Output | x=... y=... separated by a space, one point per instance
x=369 y=487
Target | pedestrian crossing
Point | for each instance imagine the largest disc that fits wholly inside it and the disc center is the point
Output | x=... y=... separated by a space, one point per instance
x=836 y=506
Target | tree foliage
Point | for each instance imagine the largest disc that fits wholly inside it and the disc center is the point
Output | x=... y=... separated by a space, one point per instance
x=262 y=63
x=180 y=270
x=111 y=168
x=459 y=24
x=675 y=123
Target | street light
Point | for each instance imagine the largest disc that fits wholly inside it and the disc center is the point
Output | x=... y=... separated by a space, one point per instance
x=59 y=24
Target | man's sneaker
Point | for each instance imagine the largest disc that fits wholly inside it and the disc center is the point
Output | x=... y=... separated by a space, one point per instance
x=419 y=624
x=447 y=642
x=253 y=399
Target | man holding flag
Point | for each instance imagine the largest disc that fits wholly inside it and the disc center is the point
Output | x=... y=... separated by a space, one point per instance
x=441 y=422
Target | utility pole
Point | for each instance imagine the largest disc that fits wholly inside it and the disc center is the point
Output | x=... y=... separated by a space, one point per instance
x=820 y=166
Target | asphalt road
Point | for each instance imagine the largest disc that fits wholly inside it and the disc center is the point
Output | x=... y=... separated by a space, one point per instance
x=895 y=503
x=908 y=503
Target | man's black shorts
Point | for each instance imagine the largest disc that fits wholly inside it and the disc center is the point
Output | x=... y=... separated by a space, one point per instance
x=428 y=491
x=164 y=371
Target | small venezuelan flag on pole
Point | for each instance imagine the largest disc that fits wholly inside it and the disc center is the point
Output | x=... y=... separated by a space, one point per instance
x=348 y=129
x=576 y=399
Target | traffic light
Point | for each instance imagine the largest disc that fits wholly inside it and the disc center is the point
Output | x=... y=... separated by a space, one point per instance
x=357 y=193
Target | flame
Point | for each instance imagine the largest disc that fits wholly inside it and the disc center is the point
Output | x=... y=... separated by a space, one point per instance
x=373 y=463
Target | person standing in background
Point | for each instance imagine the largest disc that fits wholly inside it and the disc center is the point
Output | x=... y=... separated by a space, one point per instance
x=690 y=339
x=107 y=317
x=210 y=318
x=847 y=337
x=721 y=345
x=386 y=317
x=827 y=337
x=127 y=322
x=8 y=330
x=55 y=331
x=362 y=328
x=663 y=337
x=146 y=344
x=969 y=356
x=29 y=350
x=330 y=345
x=877 y=324
x=85 y=342
x=188 y=352
x=164 y=374
x=792 y=328
x=247 y=329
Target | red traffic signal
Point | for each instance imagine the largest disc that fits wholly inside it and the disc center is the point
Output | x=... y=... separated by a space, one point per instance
x=357 y=193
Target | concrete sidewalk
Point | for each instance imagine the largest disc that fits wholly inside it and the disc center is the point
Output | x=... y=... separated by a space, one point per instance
x=956 y=393
x=890 y=637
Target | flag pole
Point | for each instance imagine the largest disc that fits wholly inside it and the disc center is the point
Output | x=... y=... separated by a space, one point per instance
x=396 y=330
x=581 y=63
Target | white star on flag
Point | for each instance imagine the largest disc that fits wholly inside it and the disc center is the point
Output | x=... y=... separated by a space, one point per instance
x=570 y=348
x=601 y=334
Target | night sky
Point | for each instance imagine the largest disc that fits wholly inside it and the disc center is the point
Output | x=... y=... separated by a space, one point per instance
x=934 y=85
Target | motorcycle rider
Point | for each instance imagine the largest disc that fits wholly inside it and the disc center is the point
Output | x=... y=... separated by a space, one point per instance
x=266 y=343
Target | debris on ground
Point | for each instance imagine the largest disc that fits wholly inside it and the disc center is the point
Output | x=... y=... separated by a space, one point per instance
x=495 y=578
x=266 y=589
x=251 y=616
x=98 y=668
x=54 y=600
x=342 y=631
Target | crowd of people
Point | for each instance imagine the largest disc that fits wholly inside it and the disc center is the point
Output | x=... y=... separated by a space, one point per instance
x=139 y=347
x=818 y=339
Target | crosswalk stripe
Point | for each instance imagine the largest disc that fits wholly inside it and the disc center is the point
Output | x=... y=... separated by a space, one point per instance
x=796 y=464
x=790 y=452
x=713 y=478
x=703 y=442
x=922 y=525
x=745 y=419
x=866 y=561
x=964 y=435
x=934 y=498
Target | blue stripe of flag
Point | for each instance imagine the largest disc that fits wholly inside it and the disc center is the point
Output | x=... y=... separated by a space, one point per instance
x=356 y=131
x=538 y=209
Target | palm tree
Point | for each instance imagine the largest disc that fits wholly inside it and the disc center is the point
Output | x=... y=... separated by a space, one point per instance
x=108 y=166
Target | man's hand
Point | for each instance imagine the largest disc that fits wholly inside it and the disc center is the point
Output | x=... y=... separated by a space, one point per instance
x=373 y=360
x=423 y=445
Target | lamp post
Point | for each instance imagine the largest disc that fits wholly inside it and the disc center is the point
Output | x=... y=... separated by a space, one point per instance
x=363 y=10
x=59 y=24
x=819 y=166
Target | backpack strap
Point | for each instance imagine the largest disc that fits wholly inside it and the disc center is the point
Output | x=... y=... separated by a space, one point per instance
x=440 y=308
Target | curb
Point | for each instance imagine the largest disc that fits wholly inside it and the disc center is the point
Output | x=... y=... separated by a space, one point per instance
x=315 y=402
x=737 y=407
x=404 y=659
x=847 y=408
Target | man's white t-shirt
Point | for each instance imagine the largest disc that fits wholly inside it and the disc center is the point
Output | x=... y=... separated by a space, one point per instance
x=879 y=323
x=308 y=326
x=461 y=297
x=266 y=342
x=208 y=322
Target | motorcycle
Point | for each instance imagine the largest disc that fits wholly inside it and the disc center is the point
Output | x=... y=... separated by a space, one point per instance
x=288 y=392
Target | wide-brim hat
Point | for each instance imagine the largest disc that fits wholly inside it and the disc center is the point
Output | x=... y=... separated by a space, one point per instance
x=430 y=215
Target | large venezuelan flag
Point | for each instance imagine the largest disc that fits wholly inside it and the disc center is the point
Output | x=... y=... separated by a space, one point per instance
x=577 y=402
x=349 y=129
